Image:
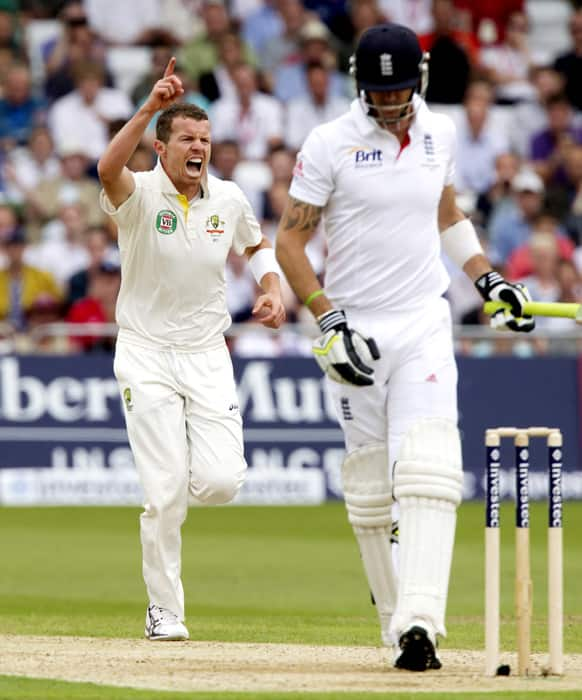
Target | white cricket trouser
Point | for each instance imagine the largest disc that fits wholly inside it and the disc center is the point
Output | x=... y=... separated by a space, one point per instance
x=185 y=432
x=415 y=378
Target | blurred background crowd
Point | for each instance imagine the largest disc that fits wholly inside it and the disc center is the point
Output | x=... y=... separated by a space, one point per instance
x=508 y=72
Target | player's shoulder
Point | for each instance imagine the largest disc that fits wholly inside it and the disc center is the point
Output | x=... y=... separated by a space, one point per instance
x=330 y=135
x=437 y=121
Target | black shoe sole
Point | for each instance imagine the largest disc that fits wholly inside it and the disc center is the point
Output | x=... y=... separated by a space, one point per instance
x=418 y=652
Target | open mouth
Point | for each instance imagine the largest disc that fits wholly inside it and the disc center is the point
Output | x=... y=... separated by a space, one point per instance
x=194 y=166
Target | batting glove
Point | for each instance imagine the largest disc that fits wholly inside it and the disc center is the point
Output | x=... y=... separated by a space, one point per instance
x=493 y=287
x=343 y=353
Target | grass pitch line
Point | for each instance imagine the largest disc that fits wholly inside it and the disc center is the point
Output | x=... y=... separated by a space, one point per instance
x=236 y=667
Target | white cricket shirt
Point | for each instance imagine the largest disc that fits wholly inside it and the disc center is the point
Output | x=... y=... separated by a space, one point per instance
x=173 y=258
x=380 y=207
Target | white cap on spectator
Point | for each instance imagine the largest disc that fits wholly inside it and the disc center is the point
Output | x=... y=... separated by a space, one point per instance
x=527 y=181
x=71 y=148
x=314 y=30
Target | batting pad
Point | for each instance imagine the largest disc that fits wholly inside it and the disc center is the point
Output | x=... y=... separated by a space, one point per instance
x=368 y=495
x=428 y=483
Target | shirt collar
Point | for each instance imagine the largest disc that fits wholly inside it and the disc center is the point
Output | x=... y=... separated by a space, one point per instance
x=168 y=187
x=366 y=125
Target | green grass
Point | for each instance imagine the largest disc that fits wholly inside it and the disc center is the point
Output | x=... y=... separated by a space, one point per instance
x=32 y=689
x=250 y=574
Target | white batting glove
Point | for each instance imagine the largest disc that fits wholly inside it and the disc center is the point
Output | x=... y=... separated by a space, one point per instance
x=493 y=287
x=343 y=353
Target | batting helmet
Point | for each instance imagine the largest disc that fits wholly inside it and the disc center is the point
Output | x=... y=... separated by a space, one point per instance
x=389 y=57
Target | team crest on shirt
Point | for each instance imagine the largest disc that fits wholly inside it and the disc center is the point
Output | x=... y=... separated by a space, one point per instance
x=367 y=157
x=214 y=227
x=166 y=222
x=429 y=152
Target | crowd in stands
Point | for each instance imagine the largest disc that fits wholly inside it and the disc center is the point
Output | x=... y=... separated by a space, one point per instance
x=267 y=72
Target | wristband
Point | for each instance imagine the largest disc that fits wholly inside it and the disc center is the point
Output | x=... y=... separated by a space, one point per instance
x=460 y=242
x=262 y=262
x=333 y=319
x=313 y=296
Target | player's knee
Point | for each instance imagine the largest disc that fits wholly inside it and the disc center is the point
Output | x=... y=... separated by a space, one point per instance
x=221 y=486
x=367 y=487
x=429 y=464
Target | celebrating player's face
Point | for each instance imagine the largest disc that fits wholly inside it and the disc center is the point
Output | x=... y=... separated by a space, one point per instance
x=392 y=107
x=185 y=157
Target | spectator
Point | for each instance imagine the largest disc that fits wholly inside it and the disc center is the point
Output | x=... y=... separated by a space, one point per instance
x=219 y=82
x=62 y=251
x=82 y=115
x=100 y=252
x=290 y=80
x=508 y=63
x=252 y=119
x=97 y=307
x=512 y=226
x=572 y=218
x=21 y=284
x=569 y=64
x=542 y=281
x=363 y=14
x=160 y=56
x=122 y=22
x=201 y=55
x=76 y=43
x=487 y=19
x=479 y=143
x=27 y=167
x=550 y=147
x=499 y=195
x=416 y=14
x=240 y=289
x=20 y=110
x=71 y=185
x=262 y=26
x=451 y=55
x=530 y=117
x=317 y=107
x=285 y=49
x=521 y=261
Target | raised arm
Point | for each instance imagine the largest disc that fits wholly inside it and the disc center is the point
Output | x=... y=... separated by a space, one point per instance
x=116 y=178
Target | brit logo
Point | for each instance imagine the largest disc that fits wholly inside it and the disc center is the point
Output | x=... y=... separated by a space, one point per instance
x=166 y=222
x=386 y=64
x=214 y=227
x=367 y=157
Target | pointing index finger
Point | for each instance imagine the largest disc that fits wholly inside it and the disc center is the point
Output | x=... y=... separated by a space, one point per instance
x=170 y=67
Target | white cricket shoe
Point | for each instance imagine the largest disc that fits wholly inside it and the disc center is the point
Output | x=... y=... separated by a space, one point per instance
x=162 y=625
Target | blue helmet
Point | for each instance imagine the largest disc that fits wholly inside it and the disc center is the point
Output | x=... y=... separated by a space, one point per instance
x=389 y=57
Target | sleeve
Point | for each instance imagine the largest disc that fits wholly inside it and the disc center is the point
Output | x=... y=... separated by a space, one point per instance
x=126 y=211
x=248 y=232
x=313 y=176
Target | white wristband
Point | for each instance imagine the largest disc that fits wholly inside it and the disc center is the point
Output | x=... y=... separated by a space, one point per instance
x=264 y=261
x=460 y=242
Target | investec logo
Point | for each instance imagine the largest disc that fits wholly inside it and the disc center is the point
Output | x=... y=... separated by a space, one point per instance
x=367 y=157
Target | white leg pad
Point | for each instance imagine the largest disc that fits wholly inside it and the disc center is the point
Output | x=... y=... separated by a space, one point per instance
x=428 y=485
x=367 y=487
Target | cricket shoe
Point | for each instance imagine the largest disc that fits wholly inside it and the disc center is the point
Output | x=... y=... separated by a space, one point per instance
x=416 y=651
x=162 y=625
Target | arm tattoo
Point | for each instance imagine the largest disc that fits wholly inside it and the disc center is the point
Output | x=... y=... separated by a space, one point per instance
x=301 y=216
